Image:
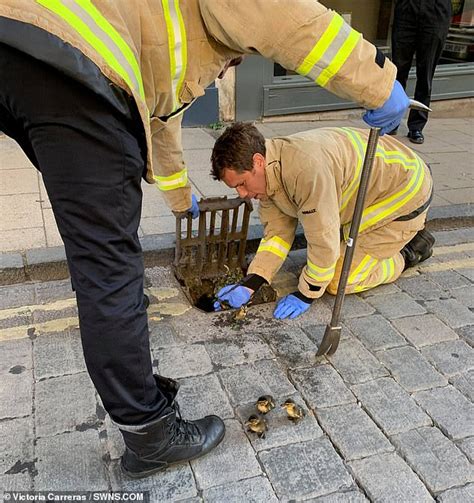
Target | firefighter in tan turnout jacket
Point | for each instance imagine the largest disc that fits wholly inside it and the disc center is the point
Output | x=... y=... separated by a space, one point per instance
x=313 y=178
x=93 y=92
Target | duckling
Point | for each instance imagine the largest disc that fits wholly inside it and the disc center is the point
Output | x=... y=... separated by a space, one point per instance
x=258 y=425
x=265 y=404
x=295 y=412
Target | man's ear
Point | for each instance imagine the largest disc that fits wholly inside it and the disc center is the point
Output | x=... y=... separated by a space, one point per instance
x=258 y=161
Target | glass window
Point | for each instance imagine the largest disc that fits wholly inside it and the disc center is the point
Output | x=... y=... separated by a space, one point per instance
x=459 y=46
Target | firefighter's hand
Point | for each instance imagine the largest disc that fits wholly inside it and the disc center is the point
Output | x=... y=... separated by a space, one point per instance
x=194 y=210
x=389 y=115
x=290 y=307
x=235 y=295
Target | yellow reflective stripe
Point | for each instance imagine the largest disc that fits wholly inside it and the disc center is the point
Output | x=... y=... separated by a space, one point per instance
x=172 y=182
x=89 y=23
x=362 y=270
x=275 y=245
x=320 y=273
x=356 y=141
x=177 y=46
x=388 y=270
x=330 y=52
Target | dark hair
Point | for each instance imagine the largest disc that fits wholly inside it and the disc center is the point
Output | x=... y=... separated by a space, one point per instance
x=235 y=148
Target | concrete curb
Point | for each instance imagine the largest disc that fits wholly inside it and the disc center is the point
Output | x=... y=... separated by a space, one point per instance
x=48 y=264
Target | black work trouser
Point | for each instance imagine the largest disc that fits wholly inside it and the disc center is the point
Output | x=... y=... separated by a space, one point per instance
x=92 y=164
x=419 y=27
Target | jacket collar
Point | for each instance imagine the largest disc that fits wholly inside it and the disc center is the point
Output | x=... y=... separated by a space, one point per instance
x=273 y=168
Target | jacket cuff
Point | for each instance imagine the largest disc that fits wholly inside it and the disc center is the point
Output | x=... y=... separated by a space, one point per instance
x=253 y=281
x=302 y=297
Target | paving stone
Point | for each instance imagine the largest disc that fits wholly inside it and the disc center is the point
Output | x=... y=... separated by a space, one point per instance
x=201 y=396
x=448 y=280
x=20 y=402
x=467 y=446
x=255 y=490
x=467 y=333
x=50 y=291
x=112 y=439
x=219 y=466
x=401 y=484
x=176 y=483
x=450 y=358
x=245 y=383
x=342 y=497
x=451 y=411
x=380 y=290
x=235 y=350
x=76 y=456
x=457 y=495
x=183 y=361
x=293 y=347
x=316 y=333
x=17 y=295
x=54 y=312
x=410 y=369
x=356 y=364
x=391 y=407
x=354 y=306
x=18 y=482
x=16 y=444
x=16 y=356
x=64 y=404
x=421 y=288
x=281 y=431
x=375 y=332
x=452 y=312
x=353 y=432
x=162 y=335
x=464 y=295
x=57 y=354
x=465 y=384
x=15 y=317
x=305 y=470
x=321 y=386
x=467 y=272
x=396 y=305
x=437 y=461
x=424 y=330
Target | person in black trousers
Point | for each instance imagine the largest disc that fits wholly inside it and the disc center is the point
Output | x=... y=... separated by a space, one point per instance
x=419 y=28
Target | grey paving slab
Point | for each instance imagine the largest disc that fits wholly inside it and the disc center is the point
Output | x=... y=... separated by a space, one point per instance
x=76 y=456
x=245 y=383
x=15 y=317
x=112 y=439
x=19 y=403
x=50 y=291
x=305 y=470
x=396 y=305
x=59 y=353
x=16 y=356
x=351 y=496
x=281 y=430
x=201 y=396
x=390 y=406
x=467 y=333
x=353 y=432
x=436 y=460
x=53 y=312
x=64 y=403
x=450 y=358
x=183 y=361
x=355 y=363
x=173 y=484
x=402 y=484
x=452 y=312
x=467 y=446
x=17 y=295
x=162 y=334
x=17 y=482
x=410 y=369
x=464 y=295
x=465 y=384
x=467 y=272
x=452 y=411
x=219 y=466
x=197 y=138
x=238 y=349
x=16 y=444
x=254 y=490
x=354 y=306
x=424 y=330
x=421 y=288
x=380 y=290
x=375 y=332
x=322 y=386
x=316 y=333
x=454 y=236
x=458 y=495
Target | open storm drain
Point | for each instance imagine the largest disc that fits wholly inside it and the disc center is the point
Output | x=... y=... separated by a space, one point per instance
x=211 y=254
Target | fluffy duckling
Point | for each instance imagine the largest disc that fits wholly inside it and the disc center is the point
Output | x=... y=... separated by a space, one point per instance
x=294 y=412
x=265 y=404
x=257 y=425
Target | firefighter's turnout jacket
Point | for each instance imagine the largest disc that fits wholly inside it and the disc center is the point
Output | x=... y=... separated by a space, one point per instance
x=313 y=177
x=160 y=55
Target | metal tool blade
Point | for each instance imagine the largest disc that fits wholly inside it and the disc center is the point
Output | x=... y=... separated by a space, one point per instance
x=417 y=105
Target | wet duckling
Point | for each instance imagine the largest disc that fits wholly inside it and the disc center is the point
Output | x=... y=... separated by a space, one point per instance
x=295 y=412
x=265 y=404
x=257 y=425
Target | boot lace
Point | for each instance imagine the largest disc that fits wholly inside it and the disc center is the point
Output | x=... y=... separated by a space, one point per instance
x=182 y=431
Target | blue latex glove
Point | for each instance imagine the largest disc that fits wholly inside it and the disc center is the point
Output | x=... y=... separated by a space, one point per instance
x=194 y=210
x=389 y=115
x=235 y=295
x=290 y=307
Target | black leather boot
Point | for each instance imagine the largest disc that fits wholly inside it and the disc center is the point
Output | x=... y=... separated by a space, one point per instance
x=169 y=439
x=420 y=248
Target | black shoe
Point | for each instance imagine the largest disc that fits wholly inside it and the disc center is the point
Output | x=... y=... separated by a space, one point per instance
x=393 y=132
x=416 y=136
x=419 y=249
x=169 y=439
x=146 y=300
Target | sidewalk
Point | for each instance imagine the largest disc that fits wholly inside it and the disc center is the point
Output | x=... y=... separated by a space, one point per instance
x=28 y=228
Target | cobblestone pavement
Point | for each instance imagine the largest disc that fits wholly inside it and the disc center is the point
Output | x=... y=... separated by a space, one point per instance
x=388 y=418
